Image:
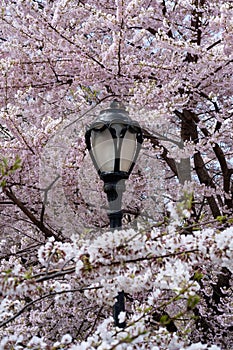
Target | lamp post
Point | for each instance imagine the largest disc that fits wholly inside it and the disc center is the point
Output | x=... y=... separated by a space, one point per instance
x=114 y=141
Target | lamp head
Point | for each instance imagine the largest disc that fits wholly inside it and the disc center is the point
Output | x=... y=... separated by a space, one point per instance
x=114 y=141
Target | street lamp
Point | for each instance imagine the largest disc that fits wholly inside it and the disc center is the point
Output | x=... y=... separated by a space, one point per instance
x=114 y=141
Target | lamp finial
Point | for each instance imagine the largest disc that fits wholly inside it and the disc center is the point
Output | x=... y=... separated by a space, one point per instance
x=115 y=104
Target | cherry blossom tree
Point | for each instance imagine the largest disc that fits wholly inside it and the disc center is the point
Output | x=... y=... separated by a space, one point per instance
x=170 y=63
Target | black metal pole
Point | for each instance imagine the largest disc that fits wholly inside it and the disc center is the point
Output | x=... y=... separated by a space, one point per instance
x=119 y=307
x=114 y=191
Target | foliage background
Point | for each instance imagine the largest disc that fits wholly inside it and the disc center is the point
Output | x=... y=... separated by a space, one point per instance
x=62 y=62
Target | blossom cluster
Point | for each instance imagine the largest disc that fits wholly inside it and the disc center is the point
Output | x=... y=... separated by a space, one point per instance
x=55 y=253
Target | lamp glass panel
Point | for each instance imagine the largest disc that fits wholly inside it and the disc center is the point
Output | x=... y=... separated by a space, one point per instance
x=103 y=150
x=128 y=150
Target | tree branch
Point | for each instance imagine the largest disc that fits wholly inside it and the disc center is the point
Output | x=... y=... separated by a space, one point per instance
x=47 y=232
x=155 y=142
x=189 y=132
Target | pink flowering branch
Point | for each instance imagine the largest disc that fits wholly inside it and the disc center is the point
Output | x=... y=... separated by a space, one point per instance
x=45 y=296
